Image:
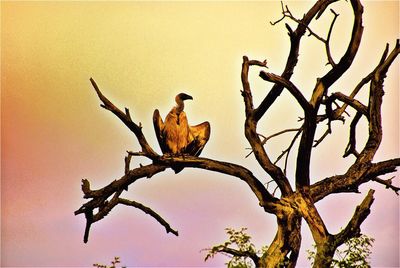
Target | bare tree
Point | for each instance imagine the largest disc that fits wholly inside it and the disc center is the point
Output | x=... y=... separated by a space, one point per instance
x=295 y=202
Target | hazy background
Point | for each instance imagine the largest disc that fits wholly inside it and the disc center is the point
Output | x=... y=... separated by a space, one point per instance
x=53 y=132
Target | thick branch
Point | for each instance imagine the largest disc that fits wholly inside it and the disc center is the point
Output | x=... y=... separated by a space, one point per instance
x=310 y=121
x=266 y=200
x=307 y=208
x=99 y=198
x=384 y=167
x=355 y=176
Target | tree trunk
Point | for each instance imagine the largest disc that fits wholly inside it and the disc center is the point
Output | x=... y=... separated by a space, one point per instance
x=324 y=255
x=284 y=249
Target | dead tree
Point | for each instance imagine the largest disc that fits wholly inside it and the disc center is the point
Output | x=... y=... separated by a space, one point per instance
x=296 y=202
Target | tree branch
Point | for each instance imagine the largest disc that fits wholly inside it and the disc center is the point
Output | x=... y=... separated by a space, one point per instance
x=99 y=198
x=265 y=139
x=237 y=253
x=251 y=133
x=287 y=150
x=270 y=77
x=266 y=200
x=362 y=170
x=353 y=227
x=149 y=211
x=351 y=146
x=291 y=62
x=246 y=92
x=127 y=120
x=339 y=69
x=357 y=105
x=364 y=81
x=328 y=38
x=375 y=103
x=388 y=184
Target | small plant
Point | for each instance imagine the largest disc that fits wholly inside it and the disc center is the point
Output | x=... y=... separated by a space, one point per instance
x=239 y=248
x=113 y=264
x=354 y=253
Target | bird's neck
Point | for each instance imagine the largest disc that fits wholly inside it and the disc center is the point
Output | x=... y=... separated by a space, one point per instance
x=180 y=106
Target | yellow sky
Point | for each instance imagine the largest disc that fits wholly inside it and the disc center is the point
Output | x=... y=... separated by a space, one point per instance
x=142 y=54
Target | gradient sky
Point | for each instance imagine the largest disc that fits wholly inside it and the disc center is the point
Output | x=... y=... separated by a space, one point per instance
x=53 y=132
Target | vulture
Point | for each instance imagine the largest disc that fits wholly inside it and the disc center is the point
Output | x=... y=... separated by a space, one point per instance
x=175 y=136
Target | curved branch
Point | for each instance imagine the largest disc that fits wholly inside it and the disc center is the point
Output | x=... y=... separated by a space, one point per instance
x=322 y=85
x=246 y=92
x=251 y=133
x=100 y=198
x=266 y=200
x=375 y=103
x=328 y=38
x=339 y=69
x=149 y=211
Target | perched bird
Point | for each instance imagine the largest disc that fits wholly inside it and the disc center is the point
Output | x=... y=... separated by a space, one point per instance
x=175 y=136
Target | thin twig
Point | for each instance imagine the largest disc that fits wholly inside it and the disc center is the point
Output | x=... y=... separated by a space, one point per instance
x=265 y=139
x=388 y=184
x=150 y=212
x=287 y=151
x=327 y=46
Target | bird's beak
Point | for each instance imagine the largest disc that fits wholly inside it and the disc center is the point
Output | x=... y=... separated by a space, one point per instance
x=186 y=97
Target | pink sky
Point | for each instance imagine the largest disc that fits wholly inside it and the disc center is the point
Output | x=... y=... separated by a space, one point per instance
x=53 y=132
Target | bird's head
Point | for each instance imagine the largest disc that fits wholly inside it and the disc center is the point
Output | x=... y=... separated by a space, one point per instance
x=182 y=97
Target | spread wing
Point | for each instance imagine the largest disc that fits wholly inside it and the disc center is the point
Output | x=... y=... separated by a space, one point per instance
x=158 y=128
x=200 y=134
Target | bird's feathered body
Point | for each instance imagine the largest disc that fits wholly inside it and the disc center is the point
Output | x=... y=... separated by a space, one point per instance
x=175 y=136
x=176 y=132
